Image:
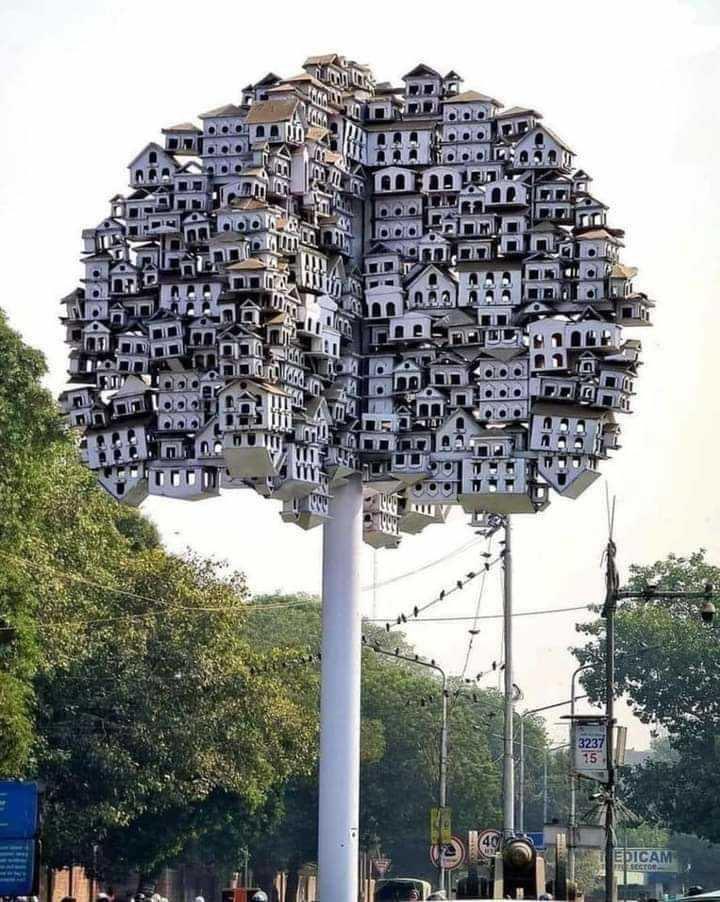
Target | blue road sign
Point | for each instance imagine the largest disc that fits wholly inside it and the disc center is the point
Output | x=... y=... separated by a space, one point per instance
x=17 y=867
x=537 y=839
x=18 y=811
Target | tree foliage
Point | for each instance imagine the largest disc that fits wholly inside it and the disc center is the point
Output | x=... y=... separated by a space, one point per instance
x=668 y=665
x=126 y=686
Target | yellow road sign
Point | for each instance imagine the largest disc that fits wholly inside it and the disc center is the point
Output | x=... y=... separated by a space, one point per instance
x=440 y=825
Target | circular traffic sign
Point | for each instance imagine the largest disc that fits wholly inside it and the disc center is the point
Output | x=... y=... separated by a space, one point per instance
x=450 y=854
x=489 y=842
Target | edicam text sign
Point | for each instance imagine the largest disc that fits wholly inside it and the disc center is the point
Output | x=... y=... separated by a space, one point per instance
x=665 y=860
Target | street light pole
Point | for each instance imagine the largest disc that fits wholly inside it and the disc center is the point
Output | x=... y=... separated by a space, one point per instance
x=415 y=659
x=573 y=777
x=508 y=751
x=546 y=753
x=521 y=806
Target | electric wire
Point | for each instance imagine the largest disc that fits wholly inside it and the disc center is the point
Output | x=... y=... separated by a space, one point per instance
x=465 y=619
x=473 y=630
x=460 y=584
x=74 y=577
x=441 y=560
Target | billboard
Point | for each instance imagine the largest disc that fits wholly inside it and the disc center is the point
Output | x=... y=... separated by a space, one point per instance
x=17 y=867
x=18 y=809
x=647 y=860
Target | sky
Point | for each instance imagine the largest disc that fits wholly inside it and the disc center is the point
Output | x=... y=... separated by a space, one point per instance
x=85 y=84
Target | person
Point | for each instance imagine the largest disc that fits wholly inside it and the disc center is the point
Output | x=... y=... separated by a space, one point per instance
x=414 y=894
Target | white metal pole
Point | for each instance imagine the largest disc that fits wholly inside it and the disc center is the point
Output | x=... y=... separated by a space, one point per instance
x=443 y=766
x=508 y=754
x=521 y=806
x=340 y=698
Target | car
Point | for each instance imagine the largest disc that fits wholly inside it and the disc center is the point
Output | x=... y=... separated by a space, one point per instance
x=398 y=889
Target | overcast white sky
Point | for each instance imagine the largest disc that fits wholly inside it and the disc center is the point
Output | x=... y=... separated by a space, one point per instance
x=632 y=86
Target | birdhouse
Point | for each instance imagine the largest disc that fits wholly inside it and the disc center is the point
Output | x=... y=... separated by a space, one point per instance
x=333 y=277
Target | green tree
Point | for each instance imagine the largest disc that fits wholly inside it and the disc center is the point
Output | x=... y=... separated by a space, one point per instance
x=127 y=684
x=162 y=715
x=668 y=665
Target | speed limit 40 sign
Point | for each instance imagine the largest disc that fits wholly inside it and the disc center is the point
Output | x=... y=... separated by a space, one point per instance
x=488 y=842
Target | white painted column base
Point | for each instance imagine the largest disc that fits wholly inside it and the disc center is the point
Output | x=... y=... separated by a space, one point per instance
x=340 y=698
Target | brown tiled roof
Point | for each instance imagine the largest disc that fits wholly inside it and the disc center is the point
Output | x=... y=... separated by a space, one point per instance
x=229 y=109
x=183 y=127
x=266 y=111
x=472 y=97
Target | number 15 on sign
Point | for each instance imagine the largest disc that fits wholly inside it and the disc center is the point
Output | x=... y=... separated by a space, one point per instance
x=590 y=751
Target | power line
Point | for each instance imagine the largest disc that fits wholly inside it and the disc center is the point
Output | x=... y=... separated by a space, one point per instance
x=428 y=566
x=473 y=630
x=460 y=584
x=74 y=577
x=582 y=607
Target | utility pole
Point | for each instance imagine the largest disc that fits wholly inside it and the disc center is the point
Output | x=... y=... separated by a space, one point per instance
x=612 y=585
x=443 y=766
x=508 y=751
x=613 y=594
